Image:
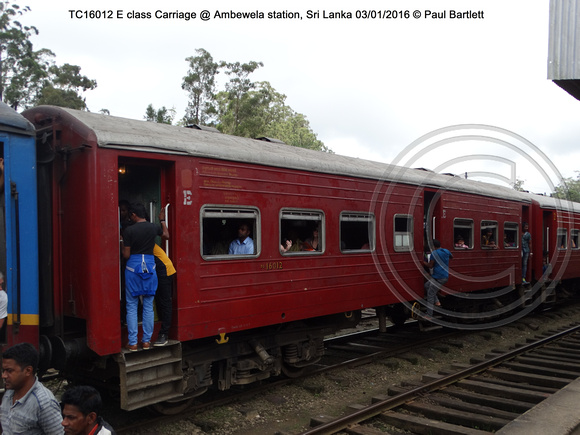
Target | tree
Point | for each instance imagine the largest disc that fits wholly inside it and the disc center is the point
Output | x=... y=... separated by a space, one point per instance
x=200 y=83
x=295 y=130
x=236 y=104
x=249 y=113
x=19 y=64
x=161 y=116
x=569 y=188
x=519 y=185
x=263 y=112
x=66 y=83
x=244 y=108
x=29 y=77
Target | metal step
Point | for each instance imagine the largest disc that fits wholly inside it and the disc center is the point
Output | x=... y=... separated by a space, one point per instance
x=150 y=376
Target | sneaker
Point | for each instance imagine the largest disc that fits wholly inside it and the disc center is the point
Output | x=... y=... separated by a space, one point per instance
x=161 y=340
x=132 y=348
x=146 y=345
x=524 y=281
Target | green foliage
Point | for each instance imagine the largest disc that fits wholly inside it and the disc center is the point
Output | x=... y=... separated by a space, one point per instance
x=161 y=116
x=569 y=188
x=237 y=111
x=65 y=87
x=29 y=77
x=243 y=108
x=69 y=76
x=60 y=97
x=200 y=83
x=19 y=64
x=262 y=112
x=519 y=185
x=295 y=130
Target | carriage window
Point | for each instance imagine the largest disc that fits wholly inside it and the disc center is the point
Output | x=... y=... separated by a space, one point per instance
x=220 y=229
x=562 y=238
x=357 y=232
x=510 y=235
x=403 y=234
x=301 y=231
x=488 y=234
x=574 y=238
x=463 y=233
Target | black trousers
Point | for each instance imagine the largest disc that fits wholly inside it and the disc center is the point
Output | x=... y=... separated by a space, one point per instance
x=163 y=301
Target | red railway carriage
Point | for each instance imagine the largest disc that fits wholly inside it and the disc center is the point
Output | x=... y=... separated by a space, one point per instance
x=477 y=266
x=555 y=239
x=240 y=318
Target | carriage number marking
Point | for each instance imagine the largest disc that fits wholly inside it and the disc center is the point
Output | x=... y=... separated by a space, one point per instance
x=273 y=265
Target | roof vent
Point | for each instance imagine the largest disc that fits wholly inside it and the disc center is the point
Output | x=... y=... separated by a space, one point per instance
x=271 y=139
x=203 y=127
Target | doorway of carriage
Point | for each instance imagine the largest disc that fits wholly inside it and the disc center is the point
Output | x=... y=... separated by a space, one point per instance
x=432 y=219
x=149 y=182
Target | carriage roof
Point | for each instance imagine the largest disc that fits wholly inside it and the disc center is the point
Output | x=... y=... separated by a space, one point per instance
x=130 y=134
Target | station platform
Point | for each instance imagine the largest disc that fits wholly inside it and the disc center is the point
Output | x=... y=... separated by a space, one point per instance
x=557 y=415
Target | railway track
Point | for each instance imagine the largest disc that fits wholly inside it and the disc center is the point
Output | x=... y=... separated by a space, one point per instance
x=343 y=351
x=399 y=352
x=476 y=399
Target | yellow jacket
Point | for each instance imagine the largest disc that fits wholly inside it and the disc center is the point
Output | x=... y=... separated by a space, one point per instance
x=160 y=253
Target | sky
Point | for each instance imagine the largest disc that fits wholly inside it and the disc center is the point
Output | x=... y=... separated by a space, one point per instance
x=419 y=88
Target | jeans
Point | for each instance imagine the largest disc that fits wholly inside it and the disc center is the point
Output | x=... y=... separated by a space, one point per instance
x=148 y=317
x=432 y=286
x=525 y=256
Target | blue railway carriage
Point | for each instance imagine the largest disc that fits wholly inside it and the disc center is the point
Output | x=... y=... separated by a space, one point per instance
x=19 y=228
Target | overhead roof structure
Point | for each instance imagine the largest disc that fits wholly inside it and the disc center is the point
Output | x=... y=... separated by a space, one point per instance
x=564 y=45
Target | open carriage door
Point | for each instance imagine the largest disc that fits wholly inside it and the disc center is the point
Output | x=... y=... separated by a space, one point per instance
x=431 y=218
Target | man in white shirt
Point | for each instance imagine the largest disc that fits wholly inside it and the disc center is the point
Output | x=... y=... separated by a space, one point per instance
x=3 y=302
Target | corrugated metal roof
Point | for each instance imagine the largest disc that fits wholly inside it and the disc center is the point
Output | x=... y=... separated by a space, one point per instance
x=564 y=45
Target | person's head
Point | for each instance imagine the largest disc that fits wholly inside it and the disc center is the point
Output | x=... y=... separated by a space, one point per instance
x=81 y=407
x=19 y=365
x=525 y=226
x=124 y=209
x=1 y=280
x=243 y=231
x=436 y=244
x=138 y=210
x=460 y=240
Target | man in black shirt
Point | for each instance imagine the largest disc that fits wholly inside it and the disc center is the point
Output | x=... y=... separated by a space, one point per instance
x=140 y=276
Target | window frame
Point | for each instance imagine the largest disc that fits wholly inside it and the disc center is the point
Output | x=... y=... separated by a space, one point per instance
x=358 y=216
x=410 y=233
x=236 y=212
x=488 y=223
x=559 y=233
x=516 y=226
x=575 y=237
x=471 y=228
x=307 y=215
